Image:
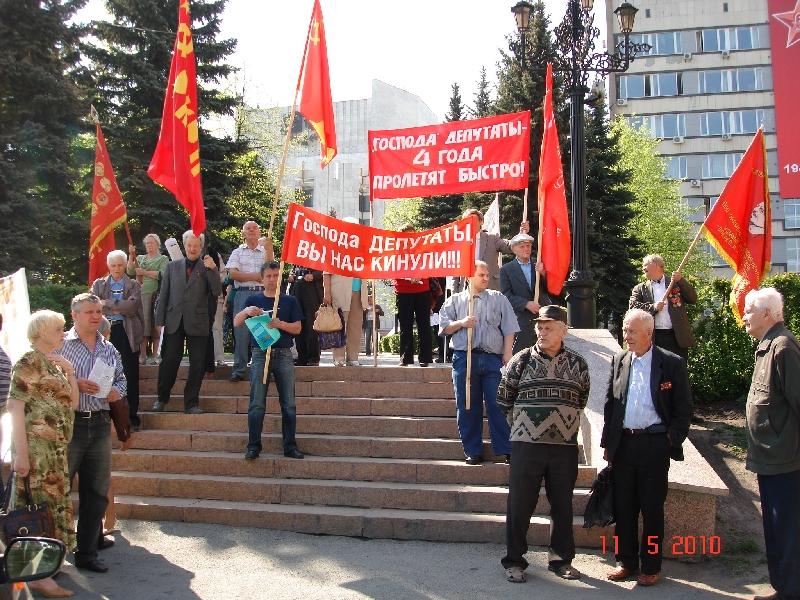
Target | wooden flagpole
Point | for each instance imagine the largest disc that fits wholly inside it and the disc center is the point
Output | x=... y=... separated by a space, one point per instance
x=538 y=253
x=683 y=262
x=525 y=206
x=374 y=333
x=268 y=353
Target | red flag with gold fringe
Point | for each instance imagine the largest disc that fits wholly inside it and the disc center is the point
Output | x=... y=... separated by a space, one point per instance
x=739 y=226
x=316 y=103
x=176 y=161
x=108 y=210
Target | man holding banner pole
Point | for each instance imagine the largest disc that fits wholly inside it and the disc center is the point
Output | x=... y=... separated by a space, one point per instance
x=493 y=326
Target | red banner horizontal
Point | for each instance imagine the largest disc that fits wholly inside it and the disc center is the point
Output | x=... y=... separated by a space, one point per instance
x=321 y=242
x=480 y=155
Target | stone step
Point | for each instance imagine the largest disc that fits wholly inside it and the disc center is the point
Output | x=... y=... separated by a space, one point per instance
x=372 y=425
x=327 y=389
x=350 y=468
x=413 y=407
x=329 y=373
x=323 y=492
x=315 y=444
x=349 y=521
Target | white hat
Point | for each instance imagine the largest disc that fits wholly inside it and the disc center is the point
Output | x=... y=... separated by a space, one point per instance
x=522 y=237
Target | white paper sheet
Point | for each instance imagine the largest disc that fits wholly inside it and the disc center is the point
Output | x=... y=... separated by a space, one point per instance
x=103 y=375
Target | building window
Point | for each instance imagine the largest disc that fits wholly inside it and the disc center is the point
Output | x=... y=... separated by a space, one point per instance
x=729 y=38
x=791 y=214
x=731 y=121
x=720 y=166
x=676 y=167
x=664 y=43
x=660 y=126
x=793 y=254
x=641 y=86
x=731 y=80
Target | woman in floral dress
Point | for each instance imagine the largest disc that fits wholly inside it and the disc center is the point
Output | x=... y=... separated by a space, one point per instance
x=42 y=403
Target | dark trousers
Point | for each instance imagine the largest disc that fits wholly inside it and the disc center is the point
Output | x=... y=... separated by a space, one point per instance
x=281 y=370
x=368 y=333
x=307 y=343
x=415 y=308
x=665 y=338
x=130 y=364
x=639 y=472
x=171 y=356
x=780 y=499
x=557 y=465
x=89 y=455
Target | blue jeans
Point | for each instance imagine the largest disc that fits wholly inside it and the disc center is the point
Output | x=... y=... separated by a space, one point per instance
x=89 y=455
x=281 y=369
x=485 y=381
x=241 y=334
x=780 y=495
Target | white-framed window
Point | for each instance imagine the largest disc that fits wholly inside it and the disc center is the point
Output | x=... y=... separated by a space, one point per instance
x=642 y=86
x=676 y=167
x=720 y=166
x=730 y=38
x=660 y=126
x=718 y=81
x=793 y=254
x=664 y=43
x=791 y=214
x=731 y=121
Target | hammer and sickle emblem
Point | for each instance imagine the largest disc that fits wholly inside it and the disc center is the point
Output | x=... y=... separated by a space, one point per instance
x=102 y=199
x=184 y=41
x=99 y=169
x=315 y=32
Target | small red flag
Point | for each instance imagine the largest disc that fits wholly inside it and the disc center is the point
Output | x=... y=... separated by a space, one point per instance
x=553 y=217
x=176 y=161
x=108 y=210
x=740 y=224
x=316 y=103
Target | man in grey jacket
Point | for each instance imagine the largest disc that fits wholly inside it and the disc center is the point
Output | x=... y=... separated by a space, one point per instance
x=183 y=312
x=773 y=437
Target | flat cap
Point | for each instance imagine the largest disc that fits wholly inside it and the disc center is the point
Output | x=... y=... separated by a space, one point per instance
x=552 y=312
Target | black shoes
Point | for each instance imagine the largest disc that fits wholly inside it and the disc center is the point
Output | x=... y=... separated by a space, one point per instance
x=294 y=453
x=236 y=378
x=194 y=410
x=251 y=454
x=91 y=564
x=474 y=460
x=105 y=541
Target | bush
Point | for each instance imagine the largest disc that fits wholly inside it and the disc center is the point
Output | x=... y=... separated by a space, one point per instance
x=55 y=296
x=391 y=343
x=721 y=362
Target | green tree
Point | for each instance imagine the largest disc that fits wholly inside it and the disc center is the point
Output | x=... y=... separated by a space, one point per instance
x=660 y=220
x=613 y=245
x=40 y=113
x=129 y=62
x=438 y=210
x=483 y=99
x=400 y=212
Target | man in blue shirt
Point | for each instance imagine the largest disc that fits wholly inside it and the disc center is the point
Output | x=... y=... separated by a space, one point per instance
x=281 y=365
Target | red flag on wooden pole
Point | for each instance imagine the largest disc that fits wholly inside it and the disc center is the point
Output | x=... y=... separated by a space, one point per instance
x=176 y=161
x=108 y=209
x=554 y=235
x=316 y=103
x=740 y=224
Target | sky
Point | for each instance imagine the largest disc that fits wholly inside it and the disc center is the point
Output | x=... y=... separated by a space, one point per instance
x=421 y=46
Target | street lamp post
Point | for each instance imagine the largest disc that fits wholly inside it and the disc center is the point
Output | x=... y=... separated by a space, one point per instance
x=576 y=58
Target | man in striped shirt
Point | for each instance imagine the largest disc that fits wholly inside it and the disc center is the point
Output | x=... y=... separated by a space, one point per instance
x=89 y=451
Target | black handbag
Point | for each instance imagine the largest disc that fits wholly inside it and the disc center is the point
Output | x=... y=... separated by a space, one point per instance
x=600 y=508
x=32 y=520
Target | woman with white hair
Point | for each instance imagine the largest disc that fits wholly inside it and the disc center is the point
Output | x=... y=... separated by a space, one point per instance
x=121 y=298
x=148 y=269
x=42 y=403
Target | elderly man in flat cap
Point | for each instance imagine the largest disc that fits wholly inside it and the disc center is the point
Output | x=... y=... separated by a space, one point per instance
x=517 y=282
x=542 y=393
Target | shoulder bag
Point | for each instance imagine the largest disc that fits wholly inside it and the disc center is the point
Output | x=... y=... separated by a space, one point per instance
x=31 y=520
x=327 y=319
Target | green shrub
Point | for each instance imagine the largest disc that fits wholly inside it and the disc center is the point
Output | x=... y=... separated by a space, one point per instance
x=55 y=296
x=721 y=362
x=391 y=343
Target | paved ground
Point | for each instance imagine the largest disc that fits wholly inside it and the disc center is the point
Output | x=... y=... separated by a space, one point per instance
x=179 y=561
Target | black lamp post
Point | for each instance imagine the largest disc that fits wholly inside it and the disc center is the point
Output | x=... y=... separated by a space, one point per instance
x=575 y=43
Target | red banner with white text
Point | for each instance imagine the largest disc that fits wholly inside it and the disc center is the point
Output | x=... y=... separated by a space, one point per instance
x=480 y=155
x=784 y=33
x=317 y=241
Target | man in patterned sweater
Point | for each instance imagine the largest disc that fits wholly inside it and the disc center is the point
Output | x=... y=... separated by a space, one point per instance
x=542 y=394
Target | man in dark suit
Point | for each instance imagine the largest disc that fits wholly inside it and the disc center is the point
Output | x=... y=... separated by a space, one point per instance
x=647 y=412
x=183 y=311
x=673 y=331
x=307 y=289
x=517 y=280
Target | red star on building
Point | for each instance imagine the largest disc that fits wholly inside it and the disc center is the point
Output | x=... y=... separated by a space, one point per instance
x=792 y=20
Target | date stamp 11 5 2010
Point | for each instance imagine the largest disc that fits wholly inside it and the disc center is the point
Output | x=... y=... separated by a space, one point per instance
x=681 y=545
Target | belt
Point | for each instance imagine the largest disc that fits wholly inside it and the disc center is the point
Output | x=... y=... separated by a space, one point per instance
x=481 y=351
x=89 y=414
x=656 y=429
x=255 y=288
x=117 y=322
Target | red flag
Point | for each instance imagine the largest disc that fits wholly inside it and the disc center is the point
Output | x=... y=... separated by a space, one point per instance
x=740 y=225
x=316 y=103
x=553 y=218
x=108 y=210
x=176 y=160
